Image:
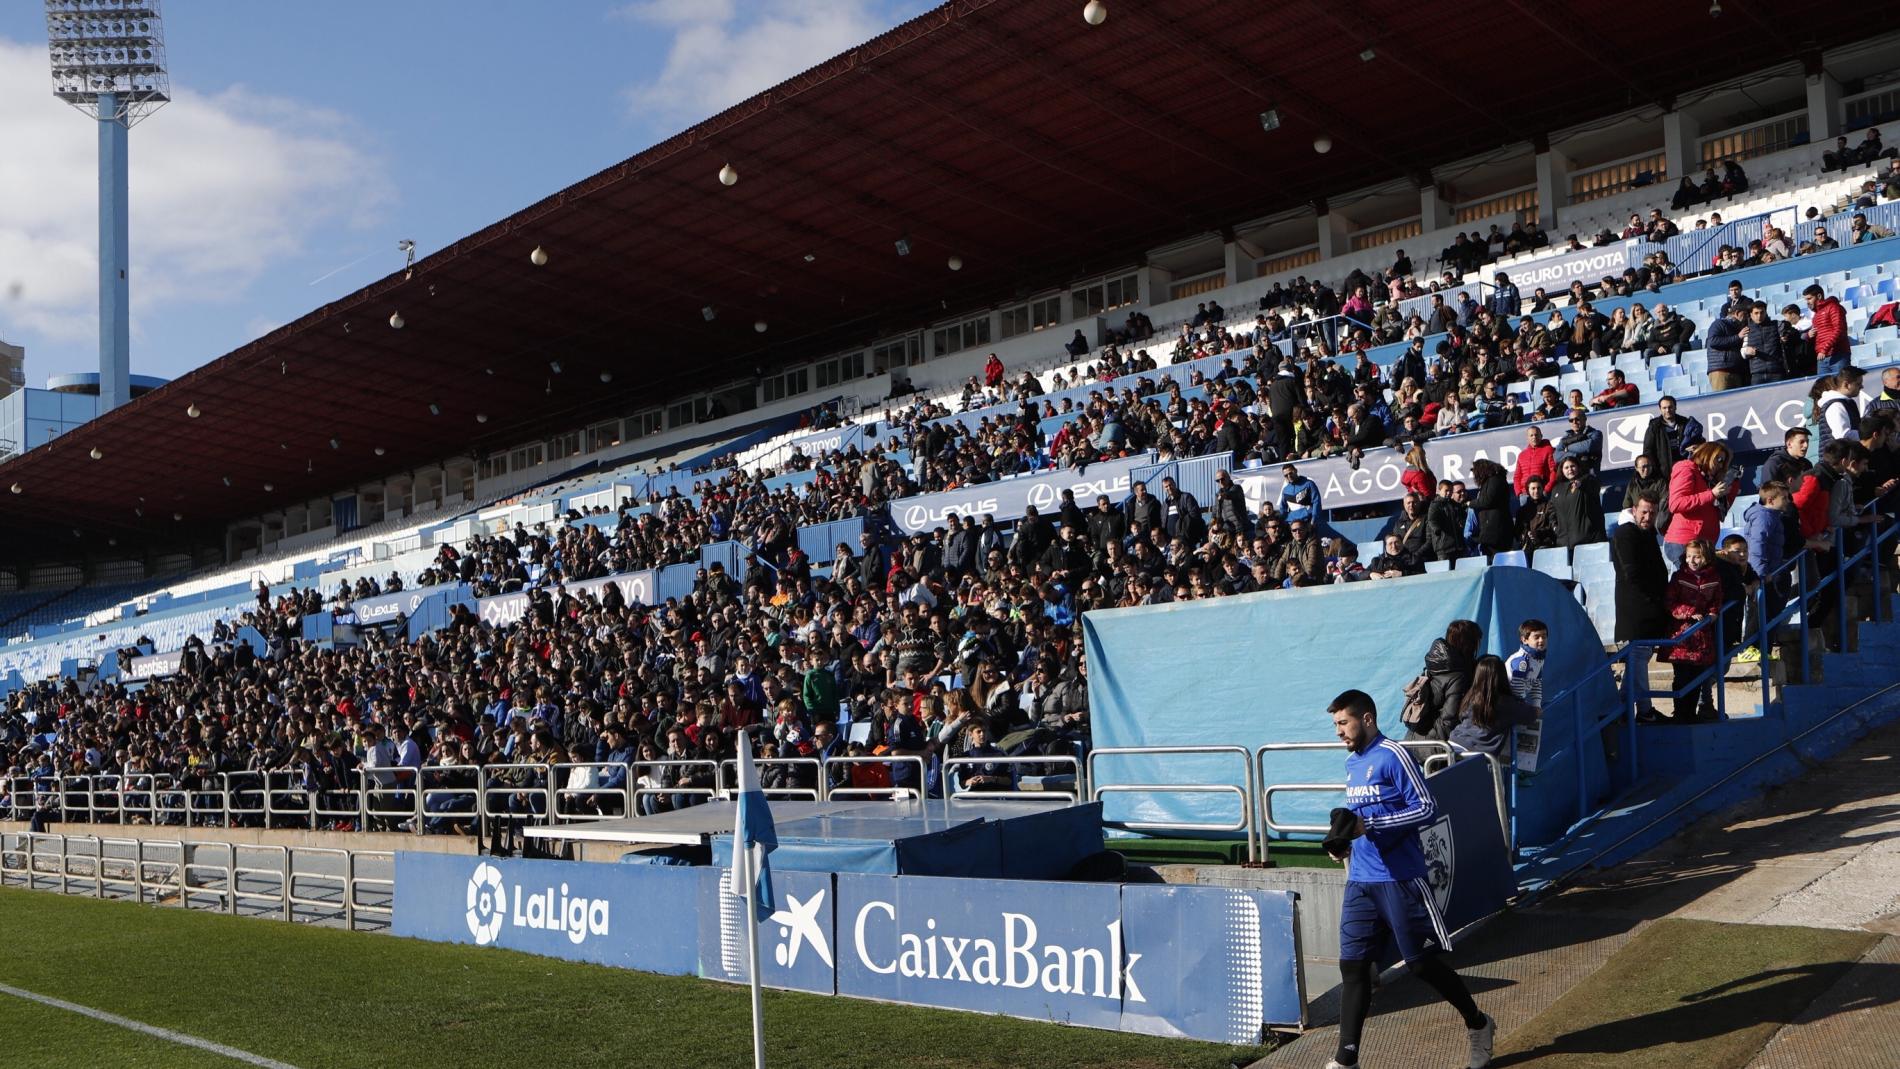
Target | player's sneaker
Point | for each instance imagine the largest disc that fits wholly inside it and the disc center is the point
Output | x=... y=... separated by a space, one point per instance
x=1333 y=1063
x=1481 y=1038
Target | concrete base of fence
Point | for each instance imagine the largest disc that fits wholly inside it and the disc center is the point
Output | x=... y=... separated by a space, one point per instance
x=347 y=840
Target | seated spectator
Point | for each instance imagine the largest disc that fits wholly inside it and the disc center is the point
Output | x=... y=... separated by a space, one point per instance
x=1078 y=345
x=1671 y=333
x=1822 y=242
x=1840 y=157
x=1687 y=196
x=1396 y=562
x=1620 y=393
x=1863 y=231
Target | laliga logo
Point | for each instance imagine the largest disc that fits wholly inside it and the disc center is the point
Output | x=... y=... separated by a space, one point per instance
x=488 y=909
x=487 y=904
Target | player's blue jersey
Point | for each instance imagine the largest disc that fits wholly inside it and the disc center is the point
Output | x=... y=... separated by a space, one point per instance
x=1386 y=789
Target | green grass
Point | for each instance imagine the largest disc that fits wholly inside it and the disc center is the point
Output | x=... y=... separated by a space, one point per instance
x=320 y=998
x=1687 y=995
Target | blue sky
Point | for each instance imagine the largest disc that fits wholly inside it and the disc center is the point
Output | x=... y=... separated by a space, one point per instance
x=297 y=151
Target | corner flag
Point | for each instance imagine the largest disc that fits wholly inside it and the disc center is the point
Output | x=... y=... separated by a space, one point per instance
x=753 y=837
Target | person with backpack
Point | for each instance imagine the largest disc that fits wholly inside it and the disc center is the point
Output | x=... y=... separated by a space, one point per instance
x=1435 y=697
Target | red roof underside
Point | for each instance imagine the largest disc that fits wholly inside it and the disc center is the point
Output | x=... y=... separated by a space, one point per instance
x=1007 y=133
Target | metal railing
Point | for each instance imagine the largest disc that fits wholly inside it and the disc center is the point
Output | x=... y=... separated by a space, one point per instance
x=1244 y=823
x=276 y=881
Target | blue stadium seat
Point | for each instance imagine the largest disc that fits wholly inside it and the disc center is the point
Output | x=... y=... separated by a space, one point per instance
x=1510 y=558
x=1552 y=564
x=1590 y=553
x=1438 y=566
x=1468 y=564
x=1369 y=550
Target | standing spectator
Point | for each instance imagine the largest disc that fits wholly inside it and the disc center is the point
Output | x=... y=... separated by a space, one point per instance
x=1700 y=489
x=1526 y=666
x=1576 y=506
x=1766 y=528
x=993 y=371
x=1505 y=300
x=1641 y=578
x=1299 y=496
x=1837 y=406
x=1535 y=461
x=1788 y=464
x=1728 y=368
x=1491 y=710
x=1445 y=521
x=1492 y=506
x=1448 y=667
x=1645 y=478
x=1694 y=596
x=1829 y=332
x=1670 y=435
x=1761 y=344
x=1582 y=441
x=1417 y=477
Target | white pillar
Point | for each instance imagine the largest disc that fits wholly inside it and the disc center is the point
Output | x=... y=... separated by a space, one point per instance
x=1335 y=235
x=1434 y=213
x=1824 y=108
x=1682 y=149
x=1553 y=188
x=1156 y=285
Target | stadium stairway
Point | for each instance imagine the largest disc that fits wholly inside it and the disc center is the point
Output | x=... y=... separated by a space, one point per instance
x=1816 y=854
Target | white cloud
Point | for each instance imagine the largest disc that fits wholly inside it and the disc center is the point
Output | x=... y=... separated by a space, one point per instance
x=724 y=51
x=224 y=187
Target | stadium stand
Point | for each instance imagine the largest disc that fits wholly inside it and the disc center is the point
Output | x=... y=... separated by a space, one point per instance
x=772 y=576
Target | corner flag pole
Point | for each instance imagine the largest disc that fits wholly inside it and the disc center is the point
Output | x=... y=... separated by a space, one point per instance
x=752 y=837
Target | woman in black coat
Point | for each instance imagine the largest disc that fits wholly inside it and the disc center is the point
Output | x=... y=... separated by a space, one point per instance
x=1576 y=504
x=1493 y=506
x=1448 y=667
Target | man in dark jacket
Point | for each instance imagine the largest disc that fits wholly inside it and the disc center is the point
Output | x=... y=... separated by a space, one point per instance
x=1641 y=578
x=1106 y=525
x=1144 y=510
x=959 y=548
x=1230 y=505
x=1183 y=513
x=1728 y=368
x=1505 y=301
x=1788 y=464
x=1670 y=436
x=1445 y=521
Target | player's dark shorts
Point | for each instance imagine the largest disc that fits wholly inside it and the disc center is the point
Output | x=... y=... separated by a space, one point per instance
x=1401 y=914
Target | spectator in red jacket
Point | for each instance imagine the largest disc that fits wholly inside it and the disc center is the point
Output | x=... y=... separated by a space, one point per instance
x=1418 y=477
x=1620 y=393
x=992 y=371
x=1699 y=492
x=1829 y=333
x=1537 y=460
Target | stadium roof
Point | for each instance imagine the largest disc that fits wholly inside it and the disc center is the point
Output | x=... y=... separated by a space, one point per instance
x=1007 y=133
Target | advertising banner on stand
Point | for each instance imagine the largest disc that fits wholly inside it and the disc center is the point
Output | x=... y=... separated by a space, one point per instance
x=797 y=943
x=1009 y=499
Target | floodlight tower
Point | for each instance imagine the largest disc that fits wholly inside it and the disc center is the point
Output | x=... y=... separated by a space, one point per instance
x=108 y=61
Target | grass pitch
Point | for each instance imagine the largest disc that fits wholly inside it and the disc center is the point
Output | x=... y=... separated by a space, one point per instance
x=1687 y=995
x=321 y=998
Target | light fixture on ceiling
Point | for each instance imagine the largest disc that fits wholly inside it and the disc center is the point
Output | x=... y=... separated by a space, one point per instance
x=1270 y=119
x=554 y=366
x=709 y=312
x=539 y=257
x=395 y=321
x=268 y=488
x=606 y=376
x=728 y=175
x=178 y=516
x=481 y=417
x=227 y=480
x=1368 y=55
x=1715 y=9
x=903 y=246
x=379 y=450
x=760 y=325
x=1322 y=144
x=193 y=411
x=335 y=444
x=434 y=409
x=810 y=258
x=956 y=263
x=97 y=453
x=1095 y=12
x=17 y=488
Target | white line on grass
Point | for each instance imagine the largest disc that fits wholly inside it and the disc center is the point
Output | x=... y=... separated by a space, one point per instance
x=150 y=1030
